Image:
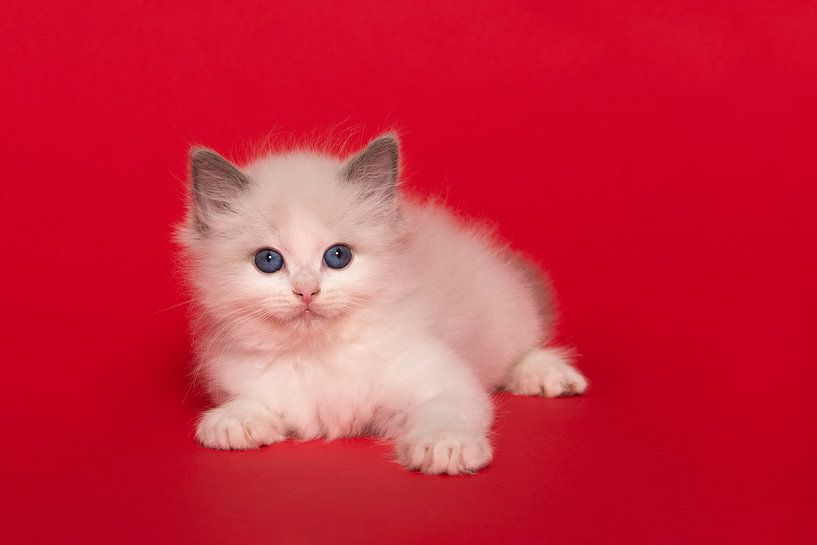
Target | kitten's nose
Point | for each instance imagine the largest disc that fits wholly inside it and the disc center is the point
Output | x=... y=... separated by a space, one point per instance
x=306 y=294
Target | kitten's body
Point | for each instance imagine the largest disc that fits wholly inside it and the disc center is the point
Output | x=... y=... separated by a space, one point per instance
x=404 y=343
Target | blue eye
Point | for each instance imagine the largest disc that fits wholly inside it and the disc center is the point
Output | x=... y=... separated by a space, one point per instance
x=268 y=261
x=337 y=256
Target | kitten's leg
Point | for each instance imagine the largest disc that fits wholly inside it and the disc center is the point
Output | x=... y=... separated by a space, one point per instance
x=547 y=372
x=239 y=424
x=448 y=433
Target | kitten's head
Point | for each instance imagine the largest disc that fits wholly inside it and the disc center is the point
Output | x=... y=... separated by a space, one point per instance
x=295 y=241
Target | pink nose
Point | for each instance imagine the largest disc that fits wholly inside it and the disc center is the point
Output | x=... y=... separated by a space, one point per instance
x=306 y=294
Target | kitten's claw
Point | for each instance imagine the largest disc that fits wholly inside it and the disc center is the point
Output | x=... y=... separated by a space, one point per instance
x=240 y=424
x=546 y=372
x=450 y=452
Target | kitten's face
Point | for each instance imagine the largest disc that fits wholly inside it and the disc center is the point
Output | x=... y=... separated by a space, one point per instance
x=272 y=243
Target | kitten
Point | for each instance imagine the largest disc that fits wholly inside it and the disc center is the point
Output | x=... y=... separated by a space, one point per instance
x=333 y=304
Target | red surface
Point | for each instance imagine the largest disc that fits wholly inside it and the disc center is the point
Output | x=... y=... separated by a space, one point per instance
x=658 y=158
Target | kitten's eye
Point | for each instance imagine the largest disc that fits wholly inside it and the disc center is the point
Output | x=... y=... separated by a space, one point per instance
x=337 y=256
x=268 y=261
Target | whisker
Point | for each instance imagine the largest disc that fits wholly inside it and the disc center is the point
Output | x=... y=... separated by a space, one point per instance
x=171 y=307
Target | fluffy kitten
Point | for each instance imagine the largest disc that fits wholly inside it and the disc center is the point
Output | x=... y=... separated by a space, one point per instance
x=333 y=304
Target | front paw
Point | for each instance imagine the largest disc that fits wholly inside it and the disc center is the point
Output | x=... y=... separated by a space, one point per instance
x=448 y=451
x=239 y=424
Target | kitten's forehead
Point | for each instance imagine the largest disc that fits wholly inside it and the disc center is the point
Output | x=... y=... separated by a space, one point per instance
x=298 y=169
x=301 y=205
x=300 y=201
x=303 y=233
x=300 y=185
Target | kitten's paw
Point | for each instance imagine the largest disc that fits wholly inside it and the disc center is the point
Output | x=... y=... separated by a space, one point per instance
x=451 y=452
x=546 y=372
x=239 y=424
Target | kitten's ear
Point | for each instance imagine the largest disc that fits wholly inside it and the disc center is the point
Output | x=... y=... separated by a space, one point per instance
x=377 y=166
x=215 y=182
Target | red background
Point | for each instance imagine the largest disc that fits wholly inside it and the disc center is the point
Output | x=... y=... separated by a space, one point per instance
x=658 y=158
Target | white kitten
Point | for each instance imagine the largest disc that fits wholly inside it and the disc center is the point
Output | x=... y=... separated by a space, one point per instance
x=332 y=304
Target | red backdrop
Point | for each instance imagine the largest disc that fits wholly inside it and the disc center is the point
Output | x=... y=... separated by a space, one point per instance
x=658 y=158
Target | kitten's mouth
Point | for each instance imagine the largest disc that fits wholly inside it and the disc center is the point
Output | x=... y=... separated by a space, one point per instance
x=308 y=313
x=305 y=315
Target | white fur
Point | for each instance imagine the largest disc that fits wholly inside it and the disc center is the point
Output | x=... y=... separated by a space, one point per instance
x=430 y=316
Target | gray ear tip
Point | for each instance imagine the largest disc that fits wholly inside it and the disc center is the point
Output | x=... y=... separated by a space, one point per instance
x=198 y=153
x=387 y=145
x=387 y=140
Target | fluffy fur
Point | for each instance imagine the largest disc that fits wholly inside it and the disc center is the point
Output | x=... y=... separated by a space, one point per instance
x=404 y=343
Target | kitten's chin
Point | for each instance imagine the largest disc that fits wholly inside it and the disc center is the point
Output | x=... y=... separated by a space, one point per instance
x=310 y=324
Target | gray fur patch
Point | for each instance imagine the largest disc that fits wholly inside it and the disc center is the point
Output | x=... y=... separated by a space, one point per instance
x=540 y=285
